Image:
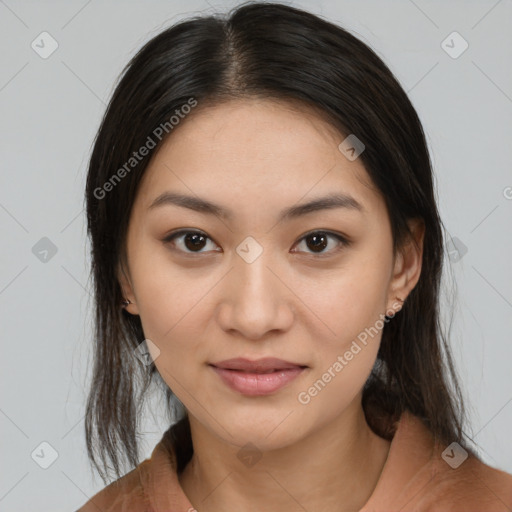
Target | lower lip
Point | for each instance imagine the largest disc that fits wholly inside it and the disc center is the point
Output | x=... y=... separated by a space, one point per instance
x=257 y=384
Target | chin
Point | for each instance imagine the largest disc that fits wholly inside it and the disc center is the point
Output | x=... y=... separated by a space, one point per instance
x=266 y=432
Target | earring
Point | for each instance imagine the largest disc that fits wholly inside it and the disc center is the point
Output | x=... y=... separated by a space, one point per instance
x=402 y=302
x=126 y=302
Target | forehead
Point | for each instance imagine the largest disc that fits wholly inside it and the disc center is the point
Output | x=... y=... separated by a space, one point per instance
x=256 y=151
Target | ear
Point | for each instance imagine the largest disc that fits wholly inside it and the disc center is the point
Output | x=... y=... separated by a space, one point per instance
x=125 y=283
x=407 y=265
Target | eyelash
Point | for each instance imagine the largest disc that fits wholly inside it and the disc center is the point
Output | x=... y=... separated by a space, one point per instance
x=341 y=239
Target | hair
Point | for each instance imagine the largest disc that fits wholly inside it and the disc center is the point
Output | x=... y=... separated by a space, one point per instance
x=268 y=51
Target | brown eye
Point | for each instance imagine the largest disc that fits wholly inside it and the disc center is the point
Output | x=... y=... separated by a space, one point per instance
x=194 y=241
x=317 y=241
x=188 y=241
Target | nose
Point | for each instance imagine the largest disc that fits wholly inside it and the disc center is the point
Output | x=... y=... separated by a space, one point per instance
x=255 y=301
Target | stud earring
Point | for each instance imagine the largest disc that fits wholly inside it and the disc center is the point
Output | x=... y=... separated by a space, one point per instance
x=126 y=302
x=402 y=302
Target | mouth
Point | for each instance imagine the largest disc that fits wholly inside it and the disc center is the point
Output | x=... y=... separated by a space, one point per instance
x=257 y=378
x=265 y=365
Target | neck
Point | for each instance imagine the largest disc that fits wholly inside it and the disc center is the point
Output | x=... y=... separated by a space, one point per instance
x=335 y=468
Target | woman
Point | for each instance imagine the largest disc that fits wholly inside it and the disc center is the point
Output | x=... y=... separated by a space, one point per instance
x=266 y=246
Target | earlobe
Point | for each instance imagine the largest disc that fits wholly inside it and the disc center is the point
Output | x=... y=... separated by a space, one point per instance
x=128 y=301
x=407 y=268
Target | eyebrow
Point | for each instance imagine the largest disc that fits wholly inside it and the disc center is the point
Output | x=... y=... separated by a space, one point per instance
x=207 y=207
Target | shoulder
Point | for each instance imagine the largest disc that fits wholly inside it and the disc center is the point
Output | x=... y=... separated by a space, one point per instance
x=152 y=485
x=472 y=486
x=126 y=493
x=421 y=474
x=456 y=479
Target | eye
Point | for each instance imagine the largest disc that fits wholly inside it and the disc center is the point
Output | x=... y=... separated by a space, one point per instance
x=317 y=241
x=192 y=241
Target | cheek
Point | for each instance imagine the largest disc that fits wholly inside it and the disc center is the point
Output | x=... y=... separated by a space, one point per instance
x=179 y=341
x=164 y=292
x=349 y=299
x=350 y=304
x=167 y=302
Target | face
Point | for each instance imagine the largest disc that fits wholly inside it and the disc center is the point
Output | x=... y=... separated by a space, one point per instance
x=245 y=281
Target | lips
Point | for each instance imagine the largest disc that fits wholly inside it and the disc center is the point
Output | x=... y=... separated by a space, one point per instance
x=257 y=378
x=266 y=365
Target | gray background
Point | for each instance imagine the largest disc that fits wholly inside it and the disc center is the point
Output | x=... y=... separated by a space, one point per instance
x=51 y=109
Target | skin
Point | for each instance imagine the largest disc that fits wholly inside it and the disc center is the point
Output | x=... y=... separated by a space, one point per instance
x=257 y=157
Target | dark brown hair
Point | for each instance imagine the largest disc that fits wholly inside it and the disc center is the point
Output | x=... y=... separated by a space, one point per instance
x=265 y=50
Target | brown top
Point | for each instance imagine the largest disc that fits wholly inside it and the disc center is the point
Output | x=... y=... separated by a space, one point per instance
x=419 y=475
